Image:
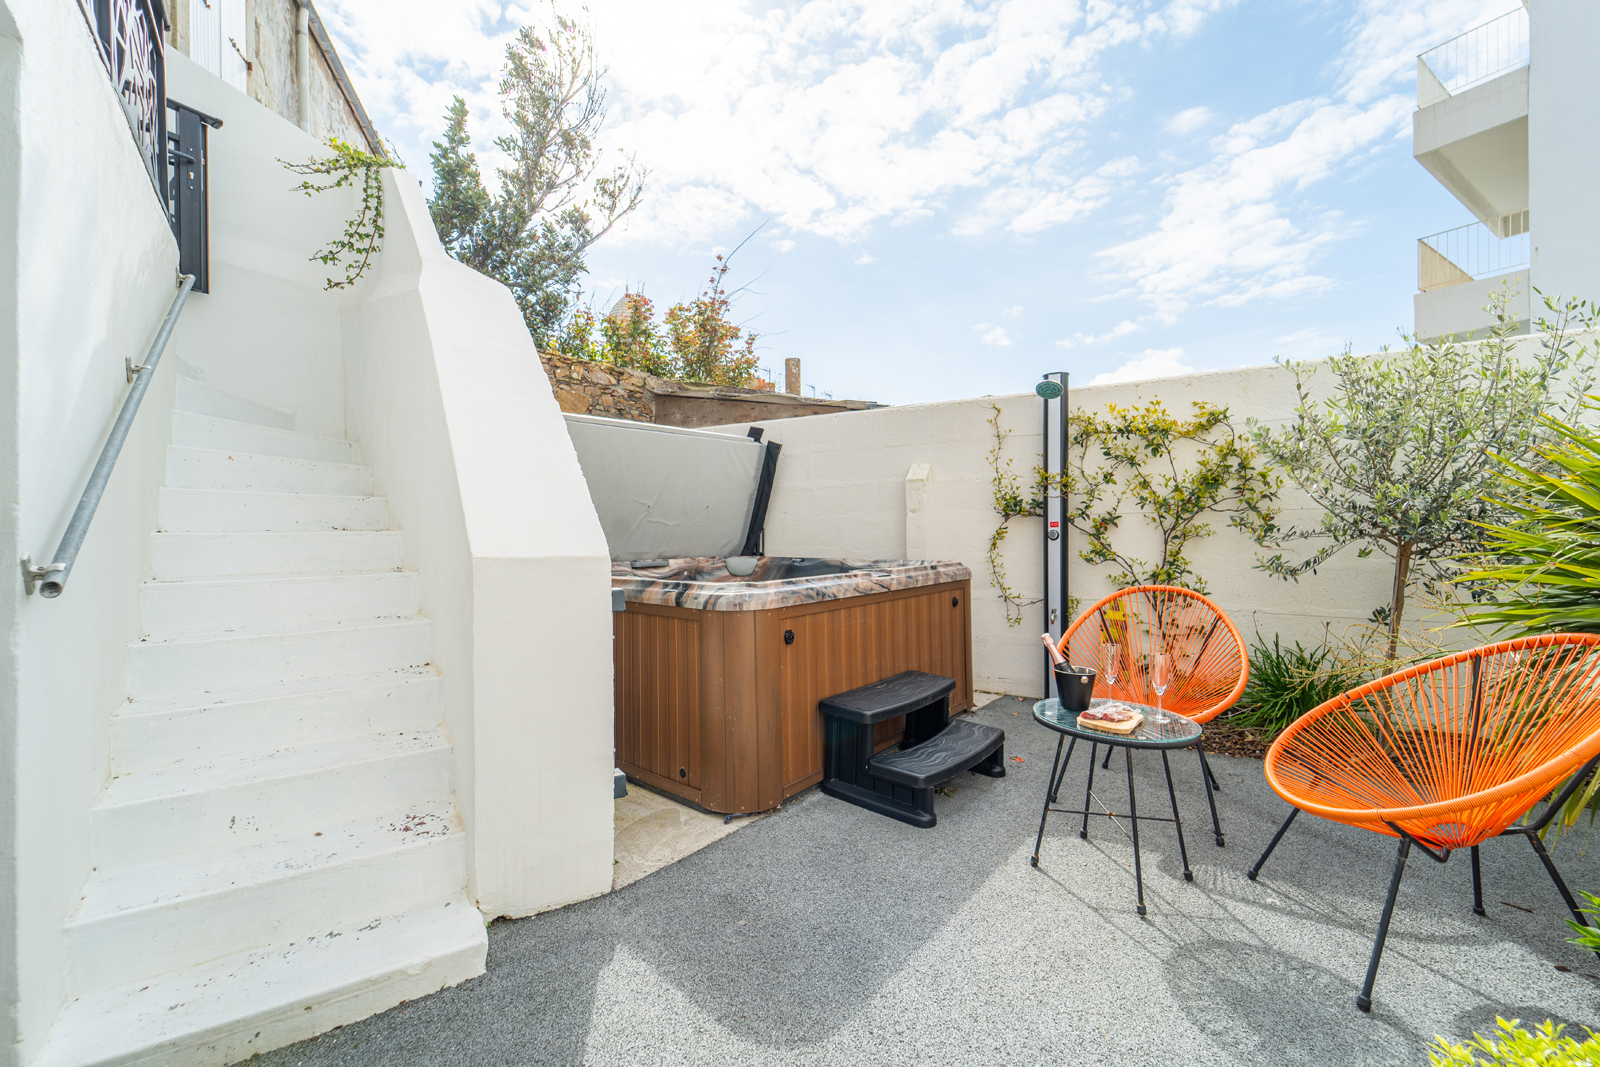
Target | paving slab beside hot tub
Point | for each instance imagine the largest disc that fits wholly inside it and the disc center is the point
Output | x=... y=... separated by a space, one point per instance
x=706 y=584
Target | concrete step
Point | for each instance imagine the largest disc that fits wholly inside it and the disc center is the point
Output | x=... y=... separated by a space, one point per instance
x=165 y=732
x=174 y=556
x=232 y=1008
x=157 y=917
x=249 y=656
x=207 y=468
x=204 y=399
x=260 y=795
x=189 y=370
x=221 y=511
x=207 y=431
x=199 y=605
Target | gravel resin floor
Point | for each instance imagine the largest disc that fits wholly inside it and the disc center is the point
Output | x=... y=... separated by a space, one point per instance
x=829 y=935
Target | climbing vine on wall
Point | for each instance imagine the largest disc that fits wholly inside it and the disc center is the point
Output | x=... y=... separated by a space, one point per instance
x=354 y=248
x=1178 y=475
x=1012 y=500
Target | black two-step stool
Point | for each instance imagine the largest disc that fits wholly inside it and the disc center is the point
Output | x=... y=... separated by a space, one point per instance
x=899 y=783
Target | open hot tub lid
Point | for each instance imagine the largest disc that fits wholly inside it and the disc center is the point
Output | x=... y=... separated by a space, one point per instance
x=665 y=492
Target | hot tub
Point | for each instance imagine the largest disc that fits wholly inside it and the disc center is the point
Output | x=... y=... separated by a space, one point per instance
x=718 y=677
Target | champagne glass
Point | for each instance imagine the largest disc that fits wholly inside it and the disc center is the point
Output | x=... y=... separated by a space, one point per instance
x=1110 y=663
x=1160 y=678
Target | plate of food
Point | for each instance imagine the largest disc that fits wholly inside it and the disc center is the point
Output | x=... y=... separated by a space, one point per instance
x=1111 y=717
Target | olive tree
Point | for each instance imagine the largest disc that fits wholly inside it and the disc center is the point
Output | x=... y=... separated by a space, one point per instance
x=1397 y=455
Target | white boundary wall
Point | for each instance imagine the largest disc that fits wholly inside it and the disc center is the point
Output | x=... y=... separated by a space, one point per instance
x=88 y=268
x=916 y=481
x=451 y=404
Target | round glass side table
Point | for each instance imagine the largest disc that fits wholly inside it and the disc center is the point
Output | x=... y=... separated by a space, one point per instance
x=1162 y=731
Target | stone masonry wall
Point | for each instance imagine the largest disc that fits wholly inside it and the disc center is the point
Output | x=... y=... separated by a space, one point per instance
x=586 y=388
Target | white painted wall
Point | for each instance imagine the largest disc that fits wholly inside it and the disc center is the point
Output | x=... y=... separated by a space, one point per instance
x=268 y=330
x=1564 y=146
x=453 y=409
x=915 y=481
x=87 y=271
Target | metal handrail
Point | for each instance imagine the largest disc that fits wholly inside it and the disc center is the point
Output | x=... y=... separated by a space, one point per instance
x=1473 y=252
x=1472 y=58
x=51 y=578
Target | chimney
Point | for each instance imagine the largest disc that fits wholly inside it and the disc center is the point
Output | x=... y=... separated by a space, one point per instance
x=791 y=375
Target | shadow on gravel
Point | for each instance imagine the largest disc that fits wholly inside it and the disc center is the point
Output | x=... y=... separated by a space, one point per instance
x=781 y=933
x=1483 y=1021
x=1271 y=1008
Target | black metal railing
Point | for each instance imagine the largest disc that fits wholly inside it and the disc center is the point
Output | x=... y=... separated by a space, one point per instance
x=130 y=35
x=188 y=189
x=132 y=46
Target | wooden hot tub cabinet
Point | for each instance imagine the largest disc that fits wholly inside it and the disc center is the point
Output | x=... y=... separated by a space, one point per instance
x=720 y=707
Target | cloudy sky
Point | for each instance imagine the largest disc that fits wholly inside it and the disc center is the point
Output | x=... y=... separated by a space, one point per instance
x=952 y=197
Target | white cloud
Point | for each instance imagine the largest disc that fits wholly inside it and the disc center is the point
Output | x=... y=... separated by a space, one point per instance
x=1121 y=329
x=1237 y=228
x=784 y=245
x=828 y=115
x=1151 y=363
x=1036 y=198
x=1011 y=312
x=1308 y=343
x=864 y=258
x=1189 y=119
x=996 y=337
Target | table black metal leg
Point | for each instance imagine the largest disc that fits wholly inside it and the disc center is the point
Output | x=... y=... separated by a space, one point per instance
x=1055 y=788
x=1177 y=821
x=1210 y=775
x=1477 y=884
x=1048 y=797
x=1105 y=764
x=1133 y=819
x=1088 y=790
x=1216 y=824
x=1251 y=874
x=1364 y=1001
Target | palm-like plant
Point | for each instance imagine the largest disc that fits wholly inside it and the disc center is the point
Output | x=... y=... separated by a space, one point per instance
x=1542 y=574
x=1547 y=563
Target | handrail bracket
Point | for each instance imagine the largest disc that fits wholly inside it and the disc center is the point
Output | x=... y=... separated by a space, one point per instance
x=32 y=576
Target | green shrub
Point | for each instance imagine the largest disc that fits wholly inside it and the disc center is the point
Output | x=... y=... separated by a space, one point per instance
x=1513 y=1046
x=1285 y=683
x=1588 y=936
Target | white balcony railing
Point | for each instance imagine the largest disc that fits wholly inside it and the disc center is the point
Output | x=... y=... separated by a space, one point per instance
x=1467 y=253
x=1476 y=56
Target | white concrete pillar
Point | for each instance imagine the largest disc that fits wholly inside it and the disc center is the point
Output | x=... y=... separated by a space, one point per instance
x=1564 y=147
x=919 y=494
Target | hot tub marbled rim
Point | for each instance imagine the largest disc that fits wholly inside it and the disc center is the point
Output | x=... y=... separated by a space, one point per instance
x=865 y=578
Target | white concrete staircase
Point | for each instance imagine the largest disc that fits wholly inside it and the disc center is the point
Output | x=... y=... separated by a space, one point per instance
x=278 y=850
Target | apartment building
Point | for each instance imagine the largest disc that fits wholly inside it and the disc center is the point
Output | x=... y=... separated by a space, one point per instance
x=1508 y=120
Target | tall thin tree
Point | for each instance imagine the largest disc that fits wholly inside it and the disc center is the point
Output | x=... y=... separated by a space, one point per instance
x=554 y=200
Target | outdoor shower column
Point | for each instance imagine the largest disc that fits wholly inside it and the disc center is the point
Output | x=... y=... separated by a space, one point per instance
x=1053 y=446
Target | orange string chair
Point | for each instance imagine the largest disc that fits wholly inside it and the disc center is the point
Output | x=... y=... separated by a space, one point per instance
x=1448 y=754
x=1122 y=635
